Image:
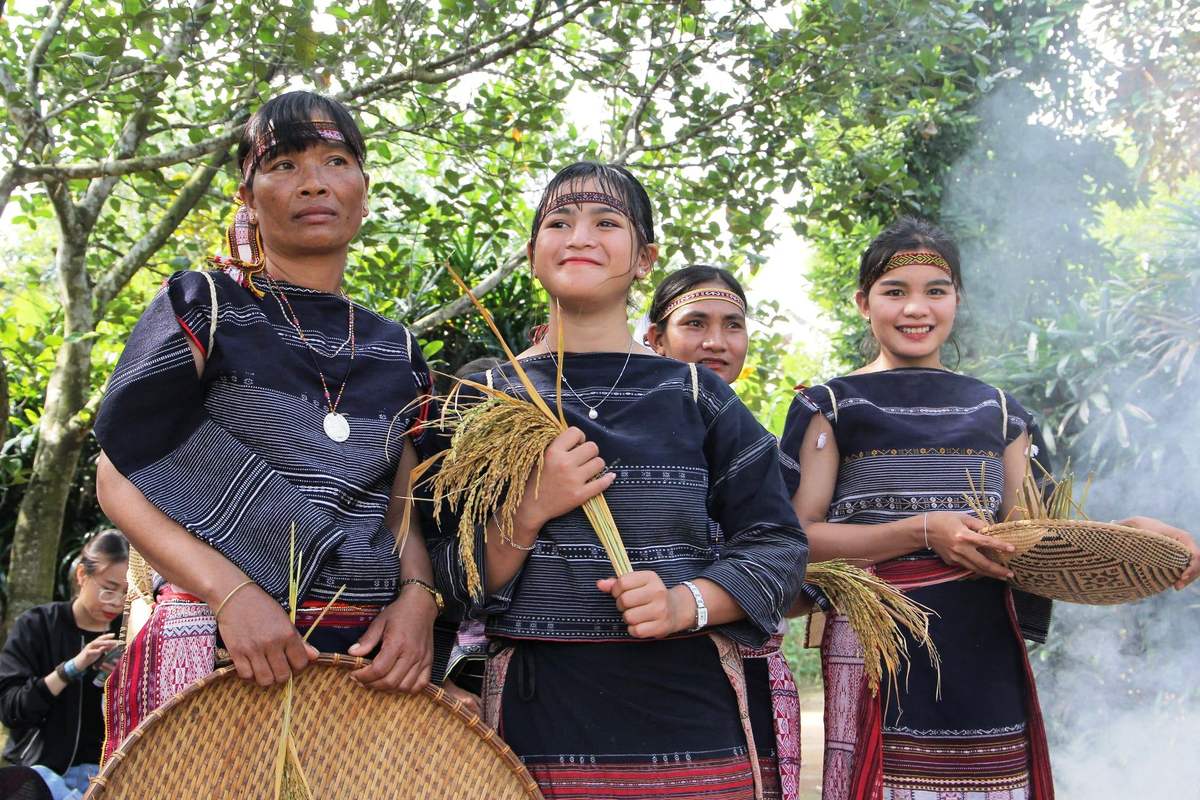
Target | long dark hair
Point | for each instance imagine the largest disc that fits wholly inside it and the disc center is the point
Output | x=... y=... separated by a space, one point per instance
x=611 y=179
x=685 y=279
x=905 y=234
x=288 y=119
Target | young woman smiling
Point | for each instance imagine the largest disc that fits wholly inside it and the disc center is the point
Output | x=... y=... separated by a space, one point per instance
x=884 y=457
x=630 y=686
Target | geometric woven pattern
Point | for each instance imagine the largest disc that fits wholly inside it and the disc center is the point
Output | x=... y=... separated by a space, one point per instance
x=1096 y=563
x=217 y=740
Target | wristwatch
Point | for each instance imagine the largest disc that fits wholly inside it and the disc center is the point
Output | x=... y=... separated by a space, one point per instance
x=434 y=593
x=701 y=609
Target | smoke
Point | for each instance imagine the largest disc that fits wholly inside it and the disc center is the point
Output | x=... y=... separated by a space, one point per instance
x=1117 y=684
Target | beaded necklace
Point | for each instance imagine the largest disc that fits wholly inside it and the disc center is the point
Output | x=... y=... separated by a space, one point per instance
x=336 y=426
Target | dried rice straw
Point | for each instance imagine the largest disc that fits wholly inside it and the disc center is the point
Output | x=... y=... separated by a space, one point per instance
x=290 y=781
x=1033 y=502
x=877 y=611
x=496 y=445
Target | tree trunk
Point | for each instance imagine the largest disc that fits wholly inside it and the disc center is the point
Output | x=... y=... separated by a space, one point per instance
x=5 y=411
x=60 y=439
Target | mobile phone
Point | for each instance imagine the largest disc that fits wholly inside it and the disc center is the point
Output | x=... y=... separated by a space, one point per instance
x=109 y=658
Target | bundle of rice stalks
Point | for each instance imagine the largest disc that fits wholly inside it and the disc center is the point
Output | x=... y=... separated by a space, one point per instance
x=877 y=611
x=1061 y=554
x=496 y=444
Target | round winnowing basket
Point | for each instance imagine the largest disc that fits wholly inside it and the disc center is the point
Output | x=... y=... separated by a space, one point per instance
x=1096 y=563
x=218 y=740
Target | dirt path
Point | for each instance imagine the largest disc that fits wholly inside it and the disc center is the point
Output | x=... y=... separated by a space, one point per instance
x=812 y=741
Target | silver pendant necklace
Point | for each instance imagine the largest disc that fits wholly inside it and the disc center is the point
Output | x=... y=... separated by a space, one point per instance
x=593 y=412
x=335 y=424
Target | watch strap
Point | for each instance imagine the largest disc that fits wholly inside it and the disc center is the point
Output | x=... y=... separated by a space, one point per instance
x=701 y=609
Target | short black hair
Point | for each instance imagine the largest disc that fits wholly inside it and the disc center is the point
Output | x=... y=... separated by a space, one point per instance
x=611 y=179
x=684 y=280
x=903 y=235
x=288 y=118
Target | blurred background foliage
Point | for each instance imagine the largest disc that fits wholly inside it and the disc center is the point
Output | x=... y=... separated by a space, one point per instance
x=1056 y=139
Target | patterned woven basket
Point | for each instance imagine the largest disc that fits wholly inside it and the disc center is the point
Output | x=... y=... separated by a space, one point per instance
x=217 y=740
x=1096 y=563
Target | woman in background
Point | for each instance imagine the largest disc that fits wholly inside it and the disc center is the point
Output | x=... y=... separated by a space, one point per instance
x=698 y=314
x=53 y=666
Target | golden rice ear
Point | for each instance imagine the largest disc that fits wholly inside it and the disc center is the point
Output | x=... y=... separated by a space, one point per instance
x=876 y=611
x=495 y=447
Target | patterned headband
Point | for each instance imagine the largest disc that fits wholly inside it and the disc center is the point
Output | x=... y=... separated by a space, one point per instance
x=242 y=237
x=326 y=129
x=579 y=198
x=925 y=257
x=699 y=295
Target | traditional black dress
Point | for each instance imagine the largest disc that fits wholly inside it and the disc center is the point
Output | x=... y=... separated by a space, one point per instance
x=908 y=439
x=238 y=455
x=592 y=712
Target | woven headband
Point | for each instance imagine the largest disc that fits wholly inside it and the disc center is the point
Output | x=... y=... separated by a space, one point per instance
x=245 y=246
x=326 y=129
x=699 y=295
x=579 y=198
x=924 y=257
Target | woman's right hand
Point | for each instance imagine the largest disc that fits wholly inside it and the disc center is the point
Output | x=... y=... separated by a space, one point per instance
x=470 y=702
x=261 y=639
x=955 y=538
x=572 y=474
x=94 y=650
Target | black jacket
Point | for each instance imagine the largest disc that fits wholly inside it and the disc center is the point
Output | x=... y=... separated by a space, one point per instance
x=56 y=732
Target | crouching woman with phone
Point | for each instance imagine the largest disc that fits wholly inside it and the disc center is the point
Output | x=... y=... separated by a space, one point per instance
x=52 y=671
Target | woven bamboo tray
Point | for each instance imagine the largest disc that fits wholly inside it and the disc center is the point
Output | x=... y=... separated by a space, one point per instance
x=217 y=740
x=1096 y=563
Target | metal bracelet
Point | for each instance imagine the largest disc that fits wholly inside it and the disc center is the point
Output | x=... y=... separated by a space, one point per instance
x=701 y=609
x=434 y=593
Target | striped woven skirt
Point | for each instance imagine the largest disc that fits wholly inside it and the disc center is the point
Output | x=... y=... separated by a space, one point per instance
x=774 y=713
x=629 y=719
x=178 y=646
x=974 y=734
